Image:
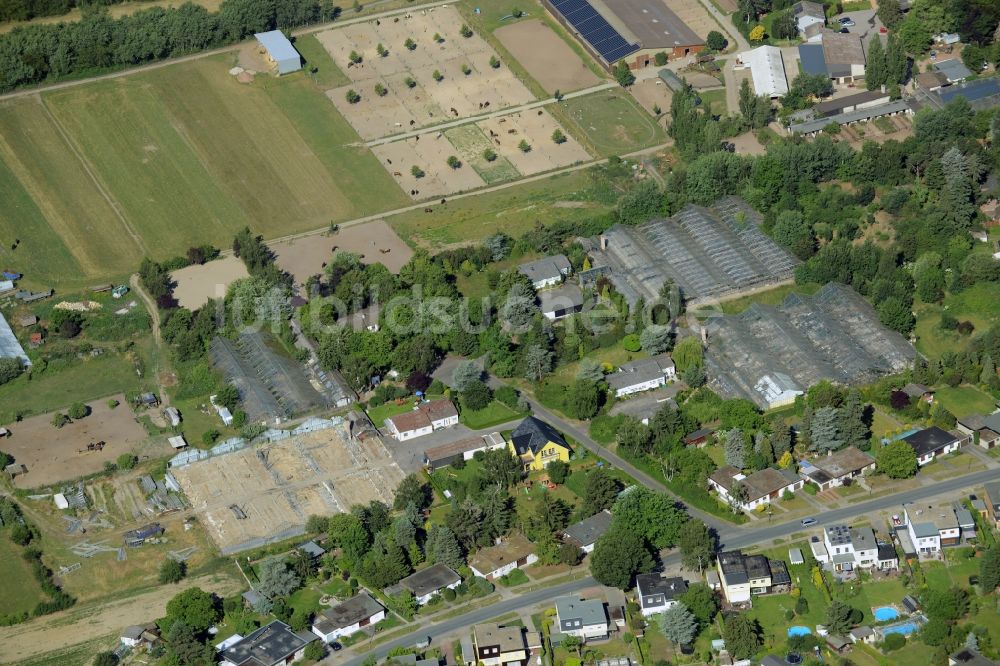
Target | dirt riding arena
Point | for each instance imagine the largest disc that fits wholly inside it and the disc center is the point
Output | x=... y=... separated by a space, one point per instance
x=267 y=492
x=694 y=15
x=402 y=108
x=53 y=455
x=199 y=283
x=375 y=242
x=651 y=93
x=503 y=135
x=548 y=59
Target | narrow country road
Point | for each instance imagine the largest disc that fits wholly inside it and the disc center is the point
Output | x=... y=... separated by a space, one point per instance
x=729 y=538
x=154 y=318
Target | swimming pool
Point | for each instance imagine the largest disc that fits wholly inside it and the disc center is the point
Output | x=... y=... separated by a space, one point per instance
x=799 y=631
x=906 y=629
x=885 y=613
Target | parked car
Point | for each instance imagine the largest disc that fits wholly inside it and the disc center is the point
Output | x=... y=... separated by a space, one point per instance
x=806 y=522
x=847 y=22
x=336 y=647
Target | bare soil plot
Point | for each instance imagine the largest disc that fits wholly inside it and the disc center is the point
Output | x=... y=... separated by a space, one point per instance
x=727 y=6
x=747 y=144
x=277 y=486
x=428 y=101
x=198 y=283
x=87 y=622
x=536 y=127
x=548 y=59
x=694 y=15
x=52 y=455
x=651 y=93
x=430 y=153
x=374 y=241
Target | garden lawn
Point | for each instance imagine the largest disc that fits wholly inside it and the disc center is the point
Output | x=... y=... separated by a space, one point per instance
x=494 y=414
x=964 y=400
x=305 y=600
x=21 y=590
x=979 y=304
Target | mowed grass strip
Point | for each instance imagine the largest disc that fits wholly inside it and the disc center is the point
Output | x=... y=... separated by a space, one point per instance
x=608 y=123
x=42 y=255
x=72 y=205
x=21 y=591
x=327 y=74
x=471 y=144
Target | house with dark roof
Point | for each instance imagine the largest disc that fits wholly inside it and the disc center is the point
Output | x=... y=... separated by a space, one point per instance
x=656 y=593
x=584 y=534
x=762 y=487
x=547 y=271
x=932 y=442
x=699 y=437
x=919 y=392
x=536 y=443
x=807 y=13
x=742 y=576
x=272 y=645
x=349 y=617
x=642 y=375
x=424 y=419
x=992 y=502
x=512 y=553
x=984 y=430
x=836 y=469
x=861 y=100
x=427 y=583
x=584 y=618
x=560 y=302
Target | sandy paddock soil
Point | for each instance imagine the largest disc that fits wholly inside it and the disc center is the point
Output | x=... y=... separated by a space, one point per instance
x=536 y=127
x=279 y=485
x=51 y=455
x=650 y=93
x=430 y=153
x=548 y=59
x=430 y=101
x=199 y=283
x=374 y=241
x=694 y=15
x=88 y=622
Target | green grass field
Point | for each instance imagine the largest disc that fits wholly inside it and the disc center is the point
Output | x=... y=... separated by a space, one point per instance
x=471 y=143
x=493 y=414
x=979 y=304
x=96 y=176
x=21 y=590
x=964 y=400
x=327 y=74
x=609 y=122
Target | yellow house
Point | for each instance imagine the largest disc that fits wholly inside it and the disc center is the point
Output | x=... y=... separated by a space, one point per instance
x=536 y=444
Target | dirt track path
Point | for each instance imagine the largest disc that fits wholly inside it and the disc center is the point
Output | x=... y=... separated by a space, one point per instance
x=88 y=622
x=154 y=318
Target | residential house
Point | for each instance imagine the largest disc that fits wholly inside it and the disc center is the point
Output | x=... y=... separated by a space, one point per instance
x=851 y=547
x=560 y=302
x=464 y=449
x=984 y=430
x=992 y=501
x=836 y=469
x=762 y=487
x=932 y=442
x=271 y=645
x=547 y=271
x=424 y=419
x=584 y=534
x=930 y=528
x=349 y=617
x=536 y=444
x=808 y=13
x=427 y=583
x=642 y=375
x=844 y=56
x=742 y=576
x=513 y=553
x=584 y=618
x=656 y=593
x=862 y=635
x=496 y=645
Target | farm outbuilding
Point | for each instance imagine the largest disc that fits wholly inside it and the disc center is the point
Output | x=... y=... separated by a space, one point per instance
x=280 y=51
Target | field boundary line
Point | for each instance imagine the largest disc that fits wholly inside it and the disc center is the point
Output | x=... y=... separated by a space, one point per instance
x=115 y=206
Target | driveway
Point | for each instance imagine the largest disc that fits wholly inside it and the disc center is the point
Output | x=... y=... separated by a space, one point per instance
x=866 y=24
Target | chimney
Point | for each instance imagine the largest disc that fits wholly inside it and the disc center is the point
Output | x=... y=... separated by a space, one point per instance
x=604 y=242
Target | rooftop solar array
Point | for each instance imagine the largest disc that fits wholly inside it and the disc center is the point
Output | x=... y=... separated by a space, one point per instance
x=595 y=29
x=710 y=253
x=834 y=334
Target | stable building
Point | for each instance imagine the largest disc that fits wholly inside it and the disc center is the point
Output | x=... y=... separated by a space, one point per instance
x=279 y=51
x=767 y=69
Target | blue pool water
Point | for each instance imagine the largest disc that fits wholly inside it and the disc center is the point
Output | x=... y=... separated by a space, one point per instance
x=799 y=631
x=885 y=613
x=905 y=629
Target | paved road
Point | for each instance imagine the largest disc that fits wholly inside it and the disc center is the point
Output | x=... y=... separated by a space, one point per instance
x=506 y=111
x=726 y=23
x=729 y=537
